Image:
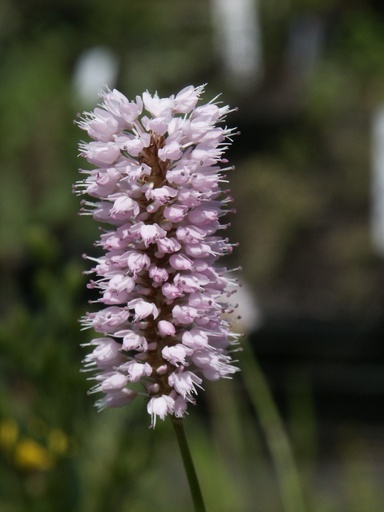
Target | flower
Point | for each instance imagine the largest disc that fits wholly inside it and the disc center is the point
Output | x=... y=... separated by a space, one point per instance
x=157 y=168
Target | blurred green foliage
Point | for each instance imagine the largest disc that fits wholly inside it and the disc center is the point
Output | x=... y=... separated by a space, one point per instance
x=302 y=193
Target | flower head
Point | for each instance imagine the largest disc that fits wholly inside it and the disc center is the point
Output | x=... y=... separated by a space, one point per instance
x=156 y=183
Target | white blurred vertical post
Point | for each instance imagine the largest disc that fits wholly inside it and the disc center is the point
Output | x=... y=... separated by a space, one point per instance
x=96 y=68
x=237 y=36
x=377 y=183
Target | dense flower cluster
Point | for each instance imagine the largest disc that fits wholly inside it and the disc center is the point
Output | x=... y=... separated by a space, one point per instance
x=157 y=184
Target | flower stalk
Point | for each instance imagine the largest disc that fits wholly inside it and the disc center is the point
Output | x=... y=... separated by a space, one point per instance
x=189 y=467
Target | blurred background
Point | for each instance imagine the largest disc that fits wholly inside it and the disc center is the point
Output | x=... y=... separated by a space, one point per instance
x=308 y=79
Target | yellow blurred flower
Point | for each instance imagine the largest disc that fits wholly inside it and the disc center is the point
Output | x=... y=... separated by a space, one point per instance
x=9 y=432
x=28 y=454
x=32 y=456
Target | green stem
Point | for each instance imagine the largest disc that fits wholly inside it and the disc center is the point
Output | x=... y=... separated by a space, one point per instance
x=276 y=436
x=190 y=471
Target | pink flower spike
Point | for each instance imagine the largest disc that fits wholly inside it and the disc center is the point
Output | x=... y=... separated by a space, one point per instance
x=160 y=406
x=180 y=407
x=116 y=398
x=124 y=207
x=195 y=339
x=137 y=261
x=151 y=233
x=187 y=98
x=114 y=382
x=106 y=353
x=184 y=383
x=175 y=213
x=171 y=291
x=101 y=126
x=108 y=319
x=143 y=309
x=184 y=314
x=132 y=340
x=166 y=328
x=158 y=165
x=175 y=355
x=168 y=245
x=157 y=106
x=180 y=262
x=170 y=152
x=135 y=370
x=101 y=153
